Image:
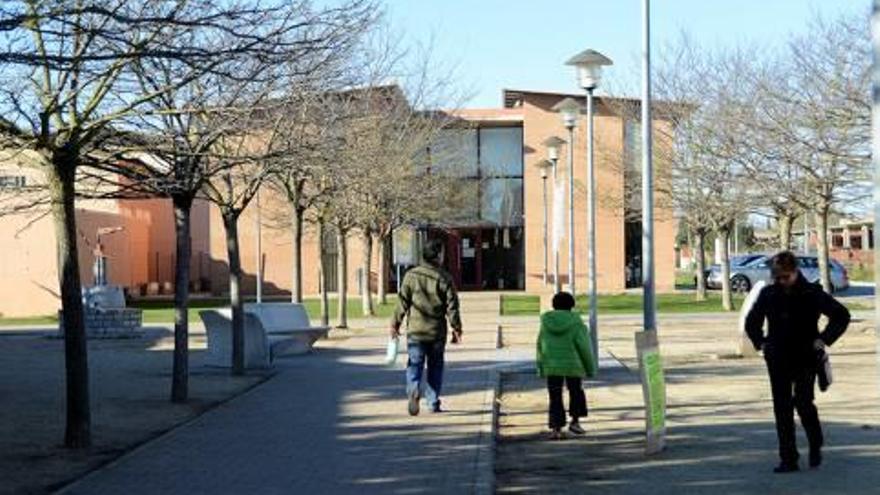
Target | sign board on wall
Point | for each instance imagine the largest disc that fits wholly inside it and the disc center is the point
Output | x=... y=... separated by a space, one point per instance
x=653 y=390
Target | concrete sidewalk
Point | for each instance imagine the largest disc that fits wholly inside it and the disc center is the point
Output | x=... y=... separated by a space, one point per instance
x=721 y=436
x=334 y=422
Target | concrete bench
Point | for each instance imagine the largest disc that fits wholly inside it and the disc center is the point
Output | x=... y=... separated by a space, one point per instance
x=218 y=328
x=270 y=330
x=287 y=327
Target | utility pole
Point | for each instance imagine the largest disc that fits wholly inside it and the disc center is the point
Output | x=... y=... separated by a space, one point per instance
x=650 y=304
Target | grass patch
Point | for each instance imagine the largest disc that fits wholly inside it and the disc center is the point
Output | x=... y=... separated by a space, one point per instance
x=684 y=279
x=622 y=304
x=29 y=320
x=163 y=311
x=860 y=273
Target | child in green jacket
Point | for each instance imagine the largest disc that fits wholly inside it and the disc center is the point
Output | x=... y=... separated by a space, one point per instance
x=565 y=355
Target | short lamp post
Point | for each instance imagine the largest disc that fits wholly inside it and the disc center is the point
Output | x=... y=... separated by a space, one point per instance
x=553 y=143
x=569 y=109
x=589 y=65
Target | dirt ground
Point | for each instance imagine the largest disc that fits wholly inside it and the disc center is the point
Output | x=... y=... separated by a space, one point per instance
x=721 y=436
x=130 y=387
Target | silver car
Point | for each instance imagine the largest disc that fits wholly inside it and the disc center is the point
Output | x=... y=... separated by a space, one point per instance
x=744 y=276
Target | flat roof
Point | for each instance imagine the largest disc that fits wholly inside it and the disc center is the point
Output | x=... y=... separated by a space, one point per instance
x=489 y=115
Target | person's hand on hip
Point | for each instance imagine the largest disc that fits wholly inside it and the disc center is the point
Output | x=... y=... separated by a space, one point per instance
x=456 y=336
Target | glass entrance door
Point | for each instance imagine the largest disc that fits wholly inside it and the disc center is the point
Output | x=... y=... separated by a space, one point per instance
x=470 y=259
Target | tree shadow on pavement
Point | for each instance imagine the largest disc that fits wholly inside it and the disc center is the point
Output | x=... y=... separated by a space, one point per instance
x=718 y=442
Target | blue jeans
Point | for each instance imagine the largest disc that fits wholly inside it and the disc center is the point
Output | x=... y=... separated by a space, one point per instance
x=420 y=355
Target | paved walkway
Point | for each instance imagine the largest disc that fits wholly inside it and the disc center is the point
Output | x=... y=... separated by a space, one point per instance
x=334 y=422
x=721 y=436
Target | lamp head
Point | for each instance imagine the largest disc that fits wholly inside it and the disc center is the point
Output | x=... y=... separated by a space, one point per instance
x=544 y=166
x=569 y=108
x=553 y=143
x=589 y=65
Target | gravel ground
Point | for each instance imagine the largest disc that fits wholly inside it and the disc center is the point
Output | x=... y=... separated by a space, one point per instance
x=721 y=436
x=130 y=385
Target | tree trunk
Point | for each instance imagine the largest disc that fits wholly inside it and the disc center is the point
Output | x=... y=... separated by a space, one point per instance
x=726 y=296
x=296 y=285
x=784 y=221
x=180 y=369
x=382 y=288
x=367 y=267
x=342 y=279
x=77 y=432
x=822 y=244
x=322 y=276
x=230 y=222
x=700 y=252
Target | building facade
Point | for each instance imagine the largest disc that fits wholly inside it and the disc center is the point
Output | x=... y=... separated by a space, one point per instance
x=496 y=242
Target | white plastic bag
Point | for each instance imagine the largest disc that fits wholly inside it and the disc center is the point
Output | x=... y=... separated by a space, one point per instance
x=391 y=351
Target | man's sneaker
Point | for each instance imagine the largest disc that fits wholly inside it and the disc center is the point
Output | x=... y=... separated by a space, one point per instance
x=815 y=458
x=786 y=467
x=413 y=405
x=556 y=434
x=436 y=408
x=576 y=428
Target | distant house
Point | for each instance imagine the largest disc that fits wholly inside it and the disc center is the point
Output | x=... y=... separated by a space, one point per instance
x=851 y=241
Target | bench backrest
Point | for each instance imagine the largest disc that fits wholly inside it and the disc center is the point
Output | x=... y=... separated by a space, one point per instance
x=280 y=316
x=218 y=326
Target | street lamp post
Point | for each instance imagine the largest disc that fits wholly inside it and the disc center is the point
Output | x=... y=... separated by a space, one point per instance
x=569 y=109
x=553 y=143
x=543 y=165
x=650 y=304
x=589 y=65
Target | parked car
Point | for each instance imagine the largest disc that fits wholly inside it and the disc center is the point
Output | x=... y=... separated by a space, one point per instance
x=744 y=276
x=735 y=261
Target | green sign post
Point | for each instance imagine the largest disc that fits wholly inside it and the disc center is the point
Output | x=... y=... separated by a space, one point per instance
x=653 y=390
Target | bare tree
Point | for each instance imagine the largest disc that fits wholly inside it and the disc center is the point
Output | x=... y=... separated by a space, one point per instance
x=819 y=113
x=67 y=87
x=708 y=152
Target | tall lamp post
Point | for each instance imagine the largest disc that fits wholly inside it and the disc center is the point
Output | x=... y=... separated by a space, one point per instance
x=569 y=109
x=589 y=65
x=552 y=144
x=543 y=165
x=649 y=304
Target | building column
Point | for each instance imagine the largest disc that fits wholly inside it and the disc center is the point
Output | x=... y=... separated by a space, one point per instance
x=866 y=242
x=846 y=243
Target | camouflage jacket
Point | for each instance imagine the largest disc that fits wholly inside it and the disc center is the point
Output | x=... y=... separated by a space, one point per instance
x=427 y=297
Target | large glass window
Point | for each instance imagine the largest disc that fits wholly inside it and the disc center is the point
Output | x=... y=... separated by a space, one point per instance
x=501 y=151
x=501 y=202
x=465 y=203
x=454 y=153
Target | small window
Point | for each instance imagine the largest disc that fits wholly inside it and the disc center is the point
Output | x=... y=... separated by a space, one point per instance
x=855 y=242
x=12 y=181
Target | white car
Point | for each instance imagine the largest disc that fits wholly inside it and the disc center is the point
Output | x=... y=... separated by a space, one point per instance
x=744 y=276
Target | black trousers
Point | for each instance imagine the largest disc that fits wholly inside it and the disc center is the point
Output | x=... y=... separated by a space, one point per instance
x=793 y=384
x=577 y=401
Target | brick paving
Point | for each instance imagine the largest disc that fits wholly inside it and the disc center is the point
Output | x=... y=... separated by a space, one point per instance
x=334 y=422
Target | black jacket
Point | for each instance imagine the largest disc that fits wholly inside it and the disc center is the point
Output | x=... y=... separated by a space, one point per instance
x=793 y=319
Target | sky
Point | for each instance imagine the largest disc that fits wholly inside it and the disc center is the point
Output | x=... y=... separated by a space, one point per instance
x=523 y=44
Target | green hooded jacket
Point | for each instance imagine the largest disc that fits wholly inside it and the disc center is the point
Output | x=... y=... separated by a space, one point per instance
x=564 y=347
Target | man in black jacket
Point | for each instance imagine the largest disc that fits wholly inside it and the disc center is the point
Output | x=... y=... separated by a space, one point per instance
x=792 y=307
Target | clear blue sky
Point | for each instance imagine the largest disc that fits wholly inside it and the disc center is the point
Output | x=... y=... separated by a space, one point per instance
x=523 y=44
